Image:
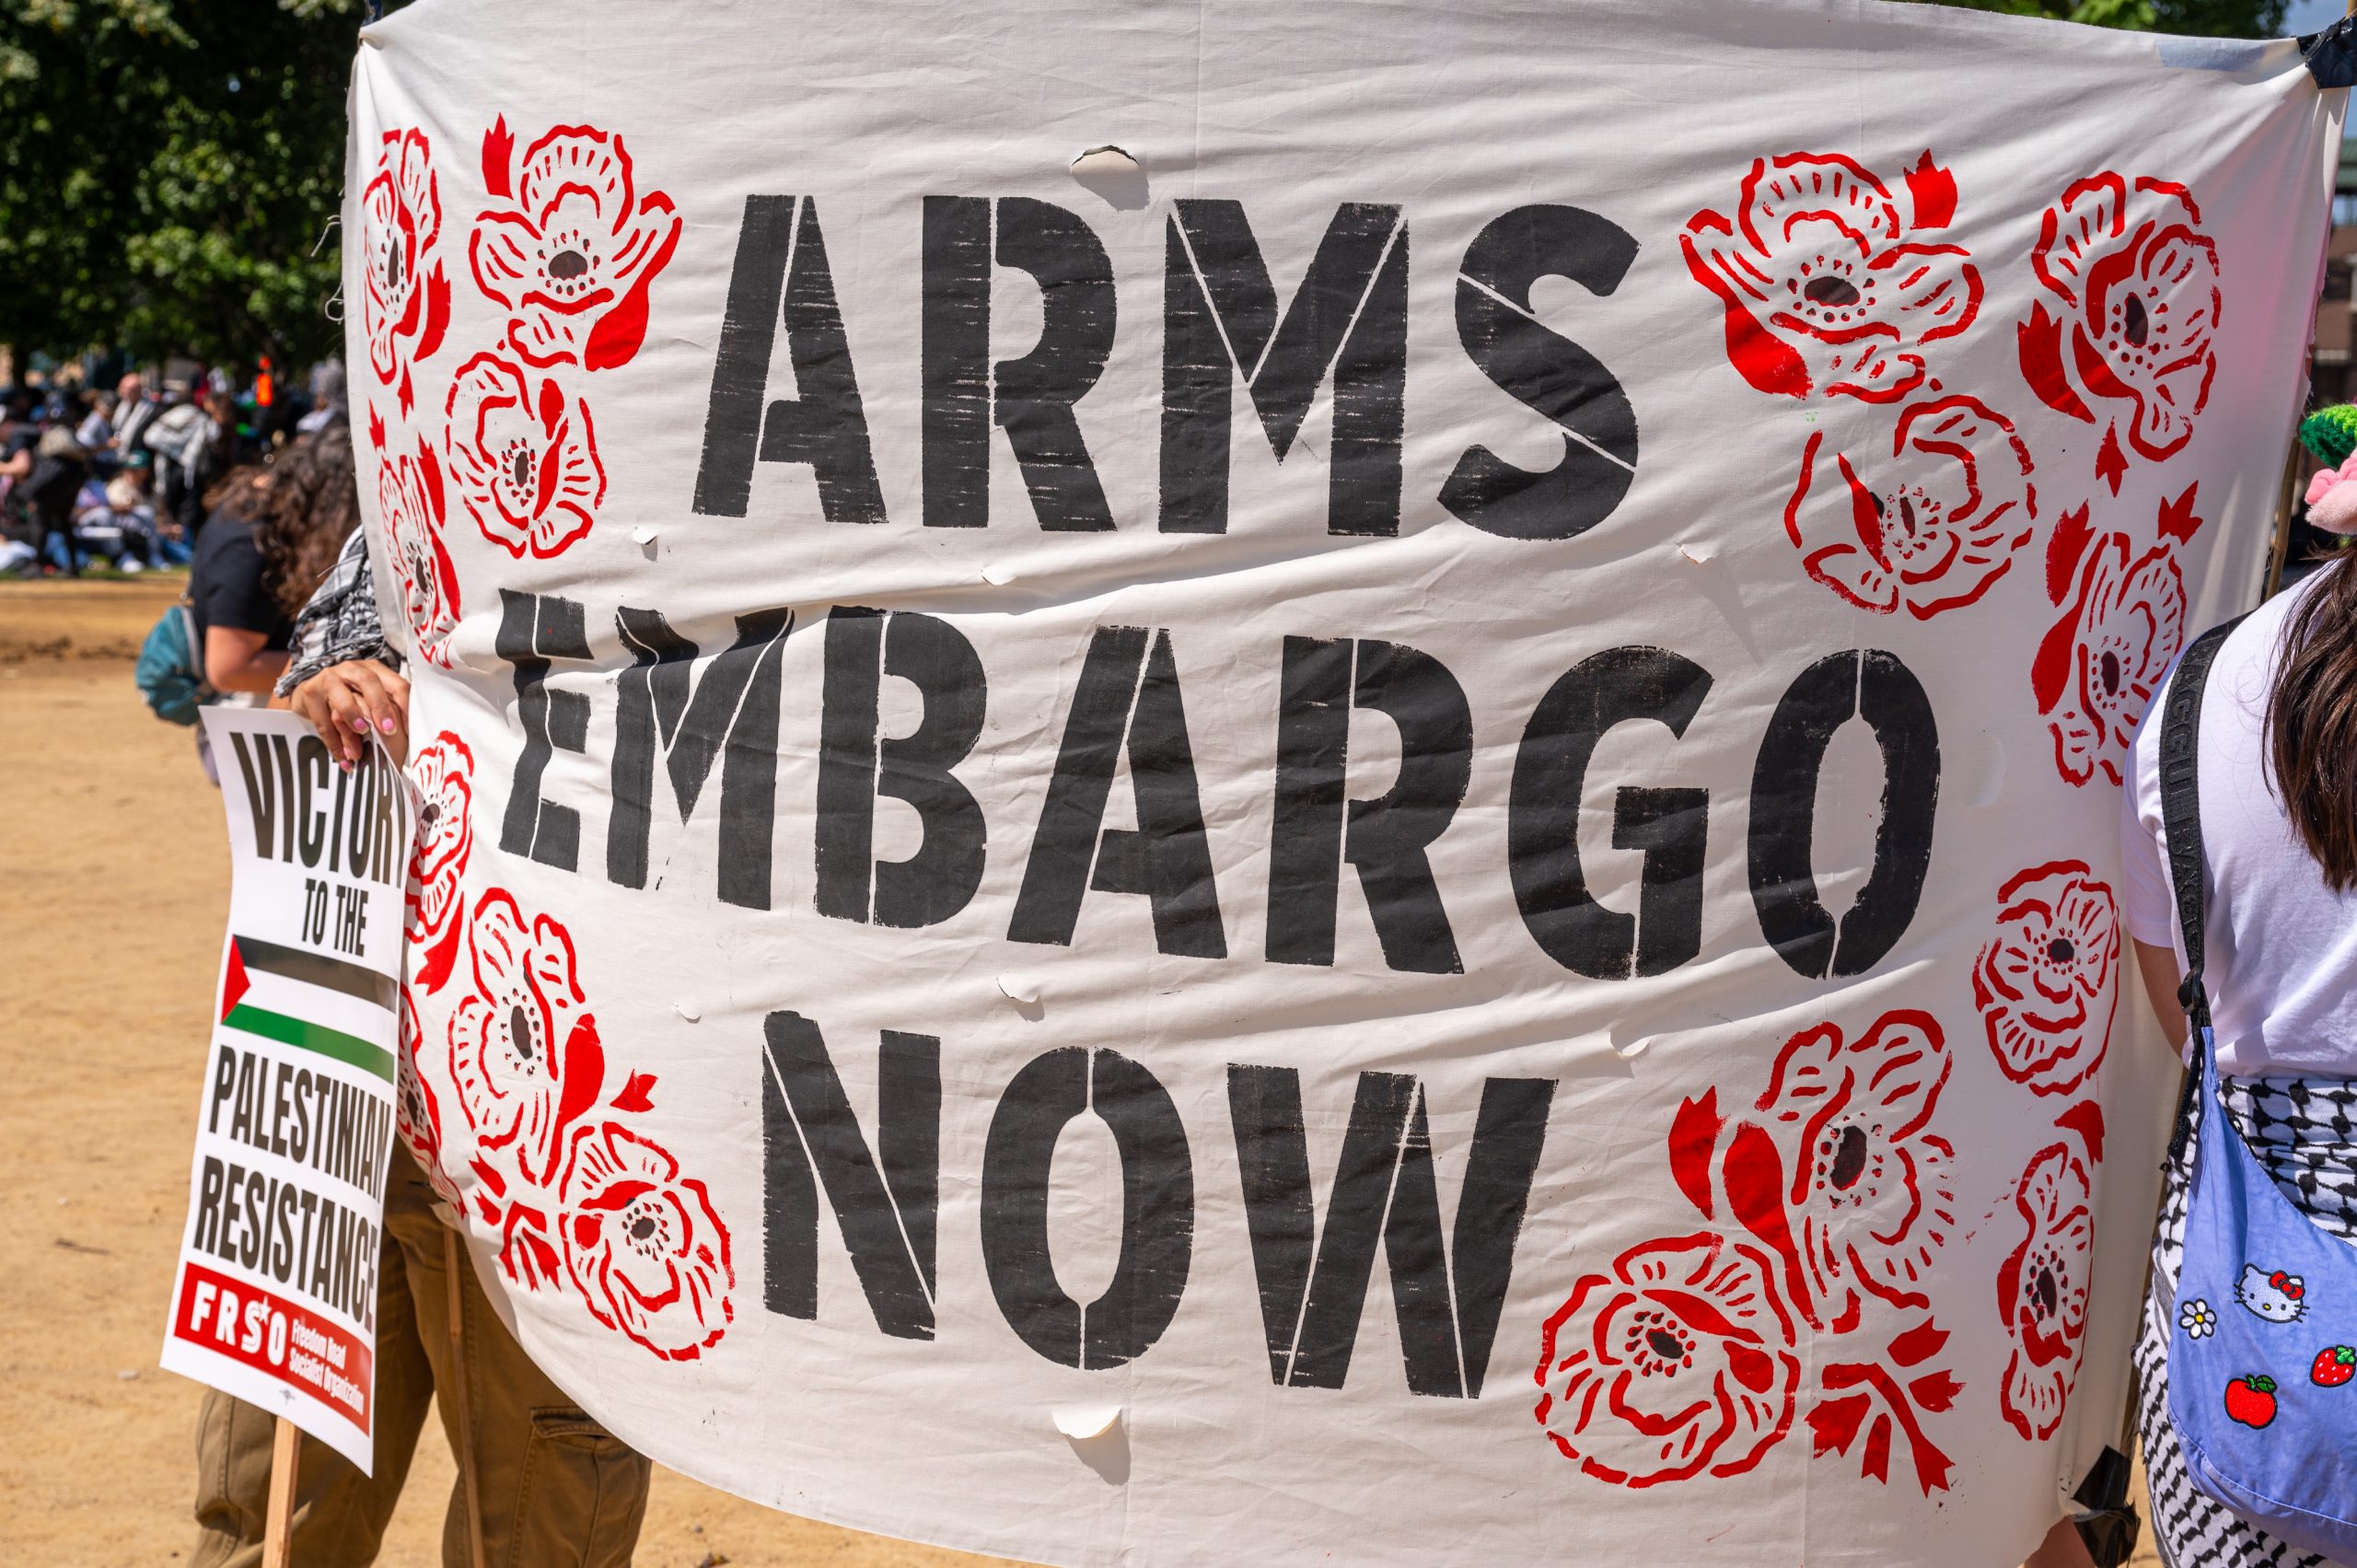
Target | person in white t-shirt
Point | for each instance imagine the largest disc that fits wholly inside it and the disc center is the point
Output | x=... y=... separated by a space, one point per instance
x=2278 y=770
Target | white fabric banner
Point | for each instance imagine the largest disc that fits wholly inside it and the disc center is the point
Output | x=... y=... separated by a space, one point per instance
x=274 y=1296
x=1312 y=782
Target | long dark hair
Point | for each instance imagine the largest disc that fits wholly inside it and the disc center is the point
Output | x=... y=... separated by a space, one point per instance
x=310 y=508
x=2312 y=723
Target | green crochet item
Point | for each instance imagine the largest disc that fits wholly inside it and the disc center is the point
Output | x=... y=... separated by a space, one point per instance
x=2331 y=432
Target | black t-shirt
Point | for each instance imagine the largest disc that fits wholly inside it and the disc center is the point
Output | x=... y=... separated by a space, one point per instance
x=224 y=584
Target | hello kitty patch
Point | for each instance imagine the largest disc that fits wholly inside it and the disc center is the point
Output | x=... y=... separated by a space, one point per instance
x=2278 y=1297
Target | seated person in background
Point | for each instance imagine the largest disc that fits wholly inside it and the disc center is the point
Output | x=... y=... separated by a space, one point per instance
x=96 y=533
x=159 y=544
x=96 y=433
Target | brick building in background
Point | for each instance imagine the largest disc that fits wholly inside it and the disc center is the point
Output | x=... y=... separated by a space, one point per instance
x=2329 y=380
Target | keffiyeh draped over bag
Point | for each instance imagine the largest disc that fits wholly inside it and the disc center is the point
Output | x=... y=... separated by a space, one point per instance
x=340 y=622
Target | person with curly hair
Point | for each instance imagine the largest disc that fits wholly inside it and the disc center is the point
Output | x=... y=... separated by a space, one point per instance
x=271 y=537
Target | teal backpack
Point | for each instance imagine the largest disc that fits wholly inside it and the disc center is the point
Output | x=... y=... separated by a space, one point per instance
x=170 y=672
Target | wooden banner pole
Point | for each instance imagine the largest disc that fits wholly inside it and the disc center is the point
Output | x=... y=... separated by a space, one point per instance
x=2287 y=511
x=453 y=1259
x=278 y=1525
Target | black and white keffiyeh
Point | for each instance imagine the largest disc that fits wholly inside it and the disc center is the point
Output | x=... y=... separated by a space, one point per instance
x=339 y=620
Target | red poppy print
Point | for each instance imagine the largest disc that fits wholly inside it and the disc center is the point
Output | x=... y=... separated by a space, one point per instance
x=1933 y=526
x=524 y=1053
x=573 y=259
x=2096 y=671
x=417 y=1117
x=409 y=496
x=2044 y=982
x=643 y=1245
x=1677 y=1362
x=434 y=921
x=524 y=461
x=1827 y=289
x=2042 y=1292
x=2137 y=282
x=404 y=298
x=1837 y=1172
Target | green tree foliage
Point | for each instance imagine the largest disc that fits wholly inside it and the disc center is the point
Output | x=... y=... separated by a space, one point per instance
x=2209 y=18
x=166 y=168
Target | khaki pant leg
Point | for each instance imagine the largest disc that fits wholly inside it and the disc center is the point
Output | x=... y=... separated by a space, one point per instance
x=557 y=1489
x=340 y=1514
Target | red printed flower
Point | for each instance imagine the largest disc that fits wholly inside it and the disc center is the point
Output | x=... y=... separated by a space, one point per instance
x=1938 y=526
x=2042 y=1292
x=2097 y=668
x=526 y=467
x=408 y=492
x=1674 y=1364
x=2044 y=982
x=1677 y=1361
x=1826 y=291
x=405 y=301
x=575 y=256
x=432 y=908
x=2139 y=284
x=1839 y=1176
x=524 y=1056
x=643 y=1245
x=417 y=1120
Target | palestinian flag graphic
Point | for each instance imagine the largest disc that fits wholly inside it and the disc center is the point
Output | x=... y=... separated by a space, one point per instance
x=288 y=995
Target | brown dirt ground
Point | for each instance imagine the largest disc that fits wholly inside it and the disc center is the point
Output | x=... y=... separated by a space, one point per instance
x=113 y=884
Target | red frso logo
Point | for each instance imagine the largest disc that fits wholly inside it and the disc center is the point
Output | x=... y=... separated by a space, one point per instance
x=277 y=1338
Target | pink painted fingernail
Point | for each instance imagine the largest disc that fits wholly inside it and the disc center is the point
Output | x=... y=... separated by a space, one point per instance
x=360 y=725
x=385 y=724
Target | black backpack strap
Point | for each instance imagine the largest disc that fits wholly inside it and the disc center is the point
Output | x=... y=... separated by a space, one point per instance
x=2181 y=821
x=2181 y=804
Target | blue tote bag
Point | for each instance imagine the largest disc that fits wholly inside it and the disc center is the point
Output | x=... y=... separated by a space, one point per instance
x=2262 y=1361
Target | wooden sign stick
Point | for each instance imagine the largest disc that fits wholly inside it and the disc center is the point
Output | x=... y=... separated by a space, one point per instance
x=278 y=1525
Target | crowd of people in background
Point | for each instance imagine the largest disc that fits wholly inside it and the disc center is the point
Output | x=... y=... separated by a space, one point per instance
x=128 y=479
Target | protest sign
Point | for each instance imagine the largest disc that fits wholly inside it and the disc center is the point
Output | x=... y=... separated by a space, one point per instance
x=1319 y=782
x=274 y=1299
